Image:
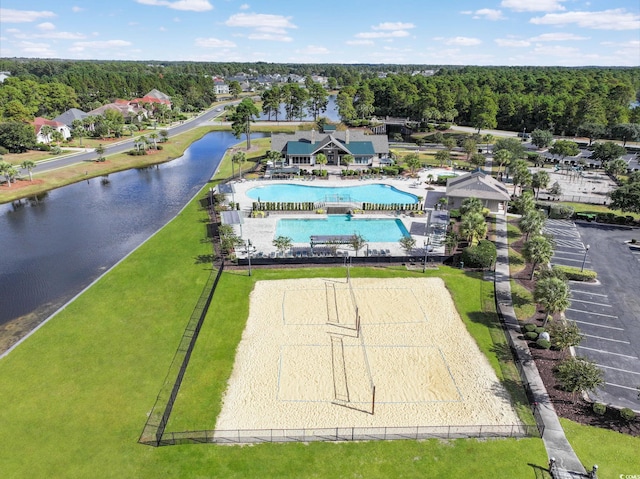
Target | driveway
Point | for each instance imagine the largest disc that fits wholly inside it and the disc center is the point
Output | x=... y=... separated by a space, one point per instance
x=607 y=312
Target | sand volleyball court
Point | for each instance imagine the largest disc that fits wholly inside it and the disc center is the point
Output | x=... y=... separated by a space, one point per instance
x=303 y=361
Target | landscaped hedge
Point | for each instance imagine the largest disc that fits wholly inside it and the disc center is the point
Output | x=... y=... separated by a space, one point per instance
x=574 y=274
x=561 y=212
x=480 y=256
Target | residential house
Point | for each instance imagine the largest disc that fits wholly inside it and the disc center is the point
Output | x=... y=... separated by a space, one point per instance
x=301 y=147
x=4 y=76
x=69 y=116
x=129 y=110
x=491 y=192
x=39 y=122
x=220 y=87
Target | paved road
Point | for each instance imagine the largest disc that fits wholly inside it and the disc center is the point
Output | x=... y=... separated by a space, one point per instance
x=127 y=144
x=607 y=313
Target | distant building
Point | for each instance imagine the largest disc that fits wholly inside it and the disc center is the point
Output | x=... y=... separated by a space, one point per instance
x=220 y=88
x=301 y=147
x=4 y=76
x=491 y=192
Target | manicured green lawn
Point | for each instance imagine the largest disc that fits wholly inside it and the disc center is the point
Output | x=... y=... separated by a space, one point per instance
x=595 y=209
x=75 y=396
x=615 y=454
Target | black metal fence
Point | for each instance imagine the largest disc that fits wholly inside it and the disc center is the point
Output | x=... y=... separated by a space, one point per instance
x=157 y=421
x=361 y=260
x=248 y=436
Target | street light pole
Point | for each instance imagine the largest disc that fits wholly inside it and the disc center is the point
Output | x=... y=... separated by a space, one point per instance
x=249 y=255
x=586 y=250
x=426 y=252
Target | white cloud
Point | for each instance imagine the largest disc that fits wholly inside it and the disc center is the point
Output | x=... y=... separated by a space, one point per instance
x=616 y=19
x=461 y=41
x=313 y=50
x=265 y=27
x=533 y=5
x=46 y=26
x=512 y=42
x=76 y=9
x=188 y=5
x=269 y=37
x=393 y=26
x=9 y=15
x=393 y=34
x=214 y=43
x=36 y=49
x=485 y=14
x=359 y=42
x=244 y=6
x=555 y=51
x=557 y=37
x=62 y=35
x=259 y=20
x=99 y=45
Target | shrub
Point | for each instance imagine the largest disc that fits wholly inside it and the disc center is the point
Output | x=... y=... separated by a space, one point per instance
x=480 y=256
x=627 y=414
x=561 y=212
x=574 y=274
x=454 y=214
x=599 y=408
x=3 y=150
x=531 y=335
x=543 y=343
x=528 y=327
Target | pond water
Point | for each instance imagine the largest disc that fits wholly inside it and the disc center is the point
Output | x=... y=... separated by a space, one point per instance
x=331 y=113
x=55 y=245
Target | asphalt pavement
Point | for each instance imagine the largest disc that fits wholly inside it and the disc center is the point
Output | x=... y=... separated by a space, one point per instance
x=608 y=311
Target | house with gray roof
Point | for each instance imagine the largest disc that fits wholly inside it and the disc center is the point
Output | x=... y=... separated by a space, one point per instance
x=302 y=147
x=491 y=192
x=69 y=116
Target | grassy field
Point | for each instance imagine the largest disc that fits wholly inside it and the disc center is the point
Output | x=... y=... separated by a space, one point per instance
x=595 y=209
x=615 y=454
x=75 y=396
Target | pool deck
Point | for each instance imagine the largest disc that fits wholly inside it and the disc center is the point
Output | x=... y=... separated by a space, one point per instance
x=261 y=231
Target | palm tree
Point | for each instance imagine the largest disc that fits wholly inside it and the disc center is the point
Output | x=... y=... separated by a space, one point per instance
x=132 y=129
x=538 y=250
x=154 y=138
x=412 y=160
x=471 y=205
x=164 y=134
x=57 y=136
x=553 y=295
x=473 y=227
x=100 y=151
x=540 y=179
x=321 y=159
x=532 y=221
x=442 y=157
x=29 y=166
x=357 y=242
x=8 y=170
x=45 y=132
x=488 y=138
x=78 y=130
x=407 y=243
x=347 y=160
x=451 y=241
x=282 y=243
x=238 y=157
x=503 y=157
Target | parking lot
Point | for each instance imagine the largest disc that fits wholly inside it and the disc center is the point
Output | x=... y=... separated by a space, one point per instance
x=607 y=312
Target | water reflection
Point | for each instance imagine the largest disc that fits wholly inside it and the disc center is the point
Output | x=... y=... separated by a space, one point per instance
x=55 y=244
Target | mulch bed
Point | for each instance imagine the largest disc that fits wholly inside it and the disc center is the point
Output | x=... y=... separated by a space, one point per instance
x=575 y=409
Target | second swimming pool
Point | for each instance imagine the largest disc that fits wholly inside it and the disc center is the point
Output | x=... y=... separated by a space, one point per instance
x=372 y=230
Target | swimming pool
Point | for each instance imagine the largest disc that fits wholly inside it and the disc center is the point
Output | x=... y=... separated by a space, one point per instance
x=372 y=193
x=372 y=230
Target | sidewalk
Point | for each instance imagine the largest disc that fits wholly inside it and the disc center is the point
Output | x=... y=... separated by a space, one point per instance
x=554 y=439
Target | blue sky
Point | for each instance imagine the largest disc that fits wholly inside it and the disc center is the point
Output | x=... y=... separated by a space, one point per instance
x=459 y=32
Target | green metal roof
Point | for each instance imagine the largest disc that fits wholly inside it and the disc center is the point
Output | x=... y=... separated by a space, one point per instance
x=356 y=148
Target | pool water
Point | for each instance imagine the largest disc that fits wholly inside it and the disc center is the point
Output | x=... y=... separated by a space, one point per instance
x=371 y=193
x=372 y=230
